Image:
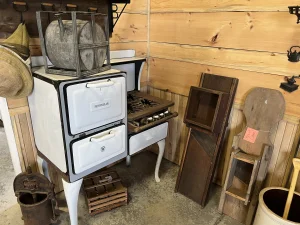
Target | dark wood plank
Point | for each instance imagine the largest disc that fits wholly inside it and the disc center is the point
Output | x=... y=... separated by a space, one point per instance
x=195 y=171
x=10 y=19
x=200 y=157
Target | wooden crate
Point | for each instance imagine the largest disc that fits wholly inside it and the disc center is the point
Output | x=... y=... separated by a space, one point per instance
x=104 y=192
x=206 y=108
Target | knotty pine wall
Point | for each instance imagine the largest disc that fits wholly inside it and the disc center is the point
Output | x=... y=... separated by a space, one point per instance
x=243 y=39
x=238 y=38
x=131 y=32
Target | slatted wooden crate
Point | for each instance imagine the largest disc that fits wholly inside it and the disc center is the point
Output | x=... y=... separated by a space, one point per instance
x=104 y=192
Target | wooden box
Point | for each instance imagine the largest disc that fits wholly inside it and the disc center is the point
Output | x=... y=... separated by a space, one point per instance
x=104 y=192
x=206 y=108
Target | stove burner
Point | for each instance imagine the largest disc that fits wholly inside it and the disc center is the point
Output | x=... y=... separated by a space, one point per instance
x=137 y=103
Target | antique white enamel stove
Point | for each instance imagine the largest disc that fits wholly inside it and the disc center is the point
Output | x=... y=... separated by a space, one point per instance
x=80 y=124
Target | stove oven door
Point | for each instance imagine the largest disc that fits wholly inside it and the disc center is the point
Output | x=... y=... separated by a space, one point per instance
x=96 y=103
x=96 y=149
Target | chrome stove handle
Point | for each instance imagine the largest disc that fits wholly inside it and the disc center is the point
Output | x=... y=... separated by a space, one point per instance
x=103 y=138
x=107 y=83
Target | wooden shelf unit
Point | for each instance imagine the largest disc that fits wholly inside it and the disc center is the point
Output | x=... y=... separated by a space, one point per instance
x=205 y=108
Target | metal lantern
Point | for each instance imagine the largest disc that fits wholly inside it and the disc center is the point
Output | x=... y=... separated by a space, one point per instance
x=74 y=43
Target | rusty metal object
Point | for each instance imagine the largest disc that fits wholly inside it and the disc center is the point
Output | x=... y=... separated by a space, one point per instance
x=36 y=198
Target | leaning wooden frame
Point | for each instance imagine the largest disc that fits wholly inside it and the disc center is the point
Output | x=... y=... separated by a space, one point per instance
x=75 y=16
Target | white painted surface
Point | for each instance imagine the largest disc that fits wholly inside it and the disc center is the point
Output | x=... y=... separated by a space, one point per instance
x=94 y=104
x=43 y=167
x=72 y=193
x=161 y=148
x=10 y=136
x=46 y=122
x=122 y=54
x=130 y=70
x=264 y=216
x=99 y=148
x=41 y=71
x=39 y=61
x=146 y=138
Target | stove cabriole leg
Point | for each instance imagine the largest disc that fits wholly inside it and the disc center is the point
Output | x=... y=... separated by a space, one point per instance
x=161 y=146
x=128 y=160
x=43 y=167
x=72 y=194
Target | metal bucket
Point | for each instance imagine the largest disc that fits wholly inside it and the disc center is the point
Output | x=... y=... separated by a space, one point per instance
x=36 y=198
x=36 y=209
x=271 y=206
x=61 y=49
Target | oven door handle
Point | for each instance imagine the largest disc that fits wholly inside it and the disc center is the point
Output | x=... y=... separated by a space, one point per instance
x=100 y=84
x=103 y=138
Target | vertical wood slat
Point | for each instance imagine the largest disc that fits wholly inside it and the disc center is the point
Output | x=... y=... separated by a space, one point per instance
x=177 y=133
x=283 y=156
x=234 y=128
x=276 y=149
x=18 y=143
x=26 y=148
x=294 y=153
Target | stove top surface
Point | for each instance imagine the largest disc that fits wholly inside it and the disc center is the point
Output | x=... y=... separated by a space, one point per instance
x=140 y=105
x=146 y=111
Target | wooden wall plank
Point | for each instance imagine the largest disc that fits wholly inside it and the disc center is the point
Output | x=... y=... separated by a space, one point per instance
x=295 y=150
x=10 y=18
x=29 y=147
x=235 y=127
x=177 y=133
x=257 y=31
x=16 y=103
x=139 y=47
x=263 y=62
x=131 y=27
x=18 y=139
x=283 y=156
x=135 y=6
x=219 y=5
x=276 y=150
x=174 y=76
x=178 y=76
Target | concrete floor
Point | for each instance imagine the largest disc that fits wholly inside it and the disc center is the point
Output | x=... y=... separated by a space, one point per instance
x=150 y=203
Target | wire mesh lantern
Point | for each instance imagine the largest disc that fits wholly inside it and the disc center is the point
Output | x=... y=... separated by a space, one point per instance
x=74 y=43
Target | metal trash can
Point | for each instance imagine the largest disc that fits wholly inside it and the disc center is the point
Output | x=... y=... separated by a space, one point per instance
x=36 y=198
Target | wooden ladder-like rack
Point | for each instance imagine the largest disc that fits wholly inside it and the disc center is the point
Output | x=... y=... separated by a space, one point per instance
x=228 y=189
x=258 y=175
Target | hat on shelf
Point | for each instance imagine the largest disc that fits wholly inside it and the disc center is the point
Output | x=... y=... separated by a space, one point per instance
x=15 y=75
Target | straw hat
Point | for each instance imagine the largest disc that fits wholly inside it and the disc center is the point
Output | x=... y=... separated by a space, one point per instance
x=15 y=76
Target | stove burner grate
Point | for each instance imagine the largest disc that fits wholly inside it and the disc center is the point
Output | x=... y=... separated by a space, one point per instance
x=137 y=103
